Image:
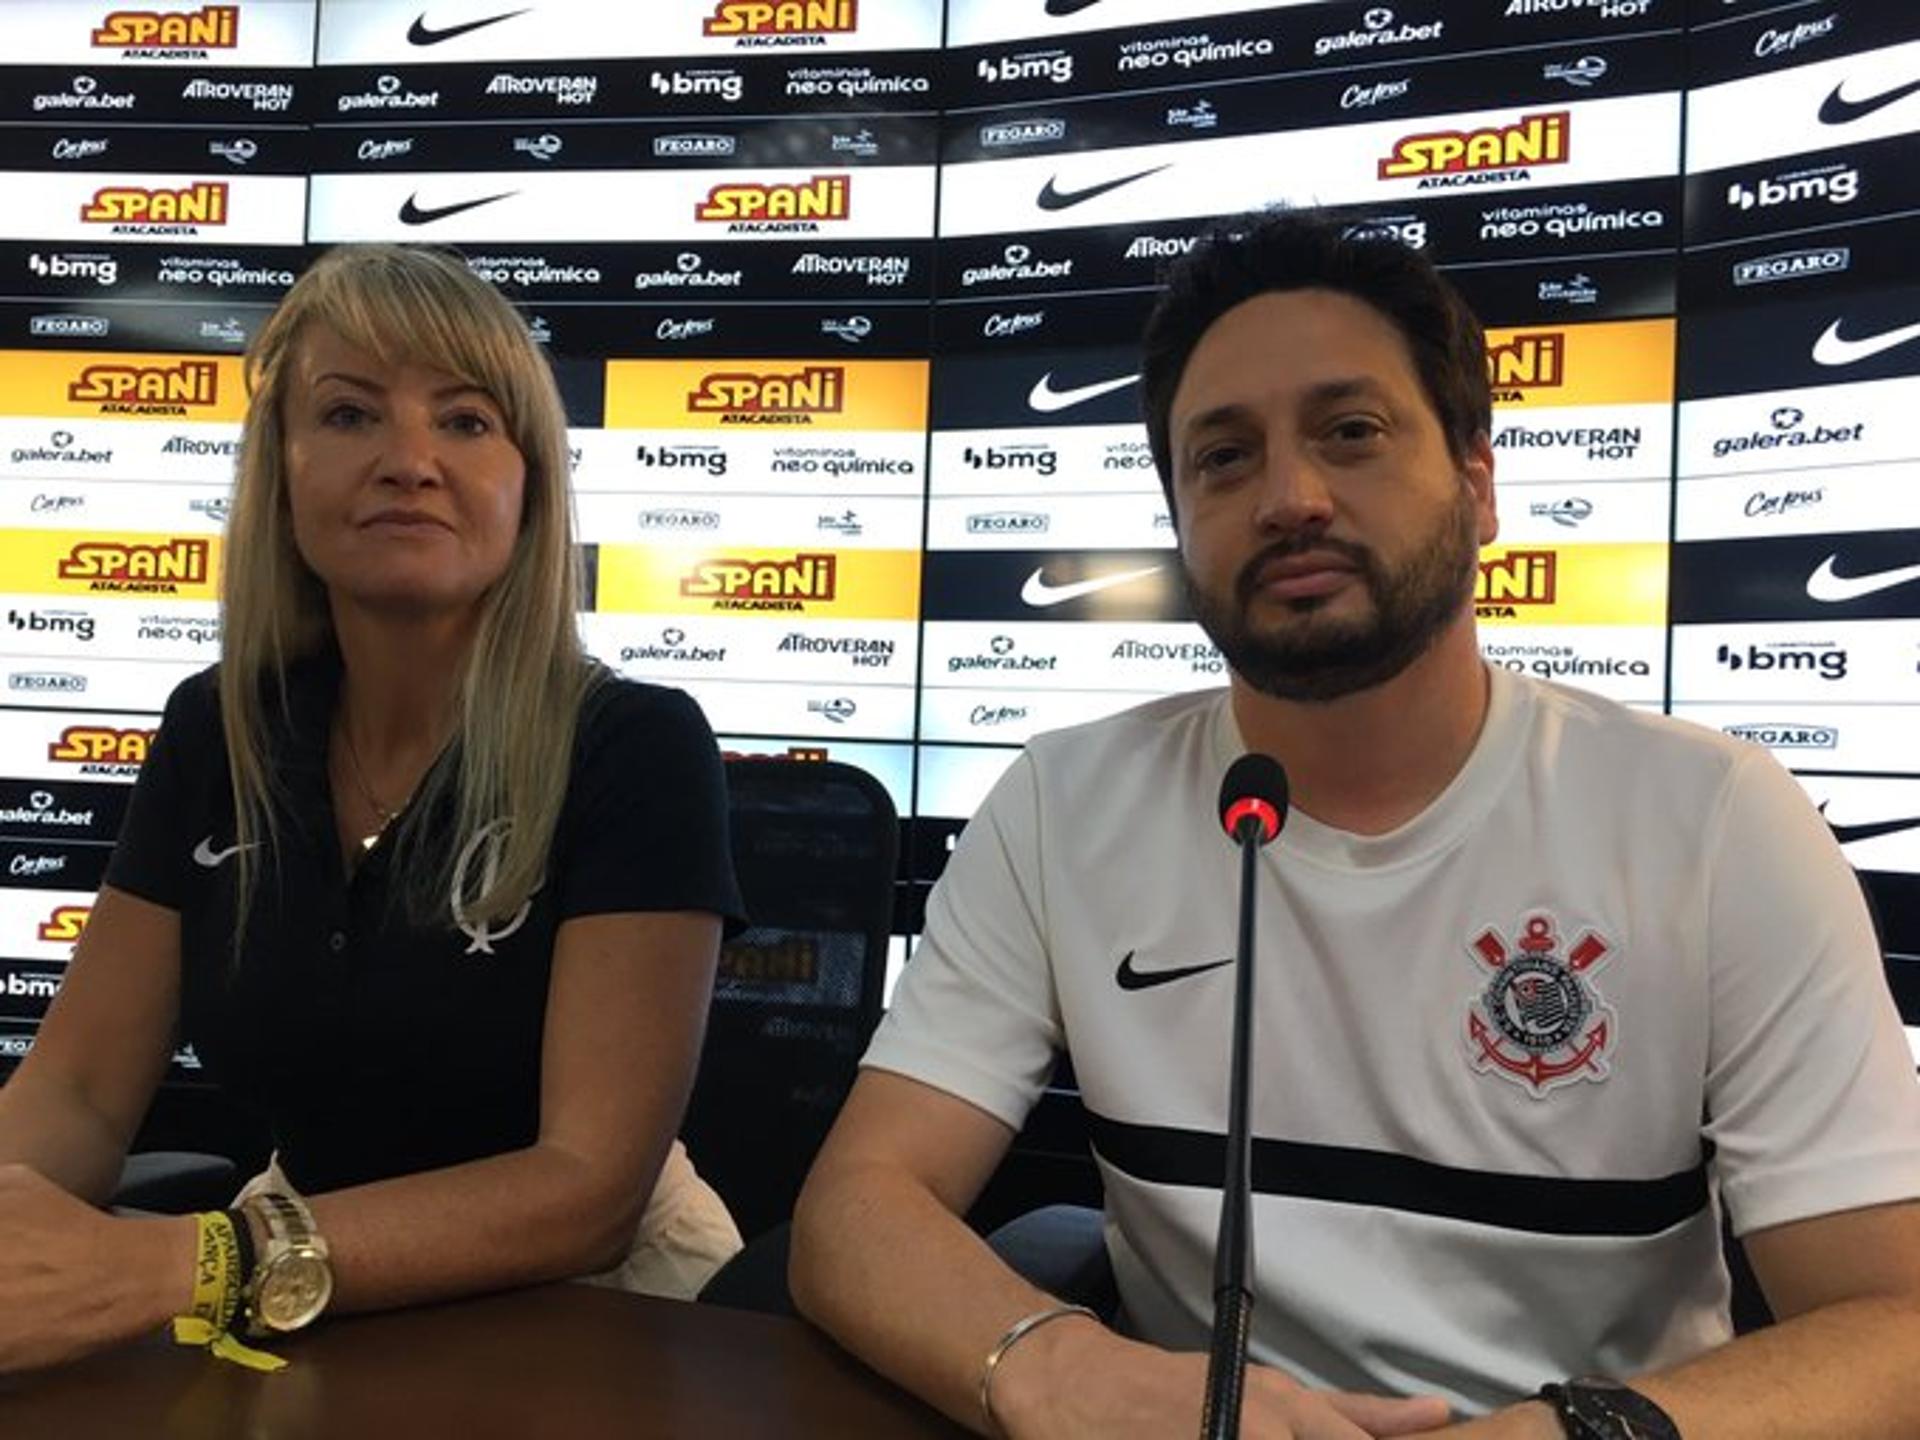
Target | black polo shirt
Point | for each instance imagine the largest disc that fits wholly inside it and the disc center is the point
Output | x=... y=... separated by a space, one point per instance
x=376 y=1045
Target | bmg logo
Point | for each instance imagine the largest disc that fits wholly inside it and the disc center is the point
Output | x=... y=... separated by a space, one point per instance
x=1837 y=186
x=1829 y=662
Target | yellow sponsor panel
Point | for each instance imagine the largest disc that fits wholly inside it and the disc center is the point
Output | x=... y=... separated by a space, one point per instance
x=767 y=395
x=83 y=562
x=1619 y=362
x=782 y=584
x=122 y=386
x=1572 y=585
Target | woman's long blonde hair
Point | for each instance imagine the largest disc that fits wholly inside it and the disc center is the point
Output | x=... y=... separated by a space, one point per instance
x=525 y=673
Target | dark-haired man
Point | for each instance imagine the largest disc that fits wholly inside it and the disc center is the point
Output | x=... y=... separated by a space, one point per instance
x=1546 y=982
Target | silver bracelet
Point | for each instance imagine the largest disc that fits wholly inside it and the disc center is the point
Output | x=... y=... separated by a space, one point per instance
x=1015 y=1333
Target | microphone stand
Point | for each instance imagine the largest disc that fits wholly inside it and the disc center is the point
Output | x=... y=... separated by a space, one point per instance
x=1232 y=1295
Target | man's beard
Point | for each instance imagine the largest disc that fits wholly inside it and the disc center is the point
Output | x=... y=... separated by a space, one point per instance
x=1315 y=658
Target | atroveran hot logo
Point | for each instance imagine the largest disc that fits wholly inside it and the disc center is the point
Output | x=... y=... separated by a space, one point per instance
x=1531 y=140
x=160 y=567
x=741 y=584
x=781 y=17
x=127 y=388
x=745 y=397
x=213 y=27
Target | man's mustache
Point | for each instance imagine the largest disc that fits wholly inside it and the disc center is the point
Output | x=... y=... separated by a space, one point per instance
x=1305 y=543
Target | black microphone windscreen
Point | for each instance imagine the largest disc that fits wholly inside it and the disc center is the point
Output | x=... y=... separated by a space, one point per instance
x=1255 y=782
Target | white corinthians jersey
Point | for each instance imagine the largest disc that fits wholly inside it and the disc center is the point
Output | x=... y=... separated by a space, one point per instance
x=1510 y=1058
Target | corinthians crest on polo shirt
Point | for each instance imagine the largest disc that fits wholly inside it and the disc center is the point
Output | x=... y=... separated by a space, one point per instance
x=1540 y=1021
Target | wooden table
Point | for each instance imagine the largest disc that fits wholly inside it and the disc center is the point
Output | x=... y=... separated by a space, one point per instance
x=563 y=1362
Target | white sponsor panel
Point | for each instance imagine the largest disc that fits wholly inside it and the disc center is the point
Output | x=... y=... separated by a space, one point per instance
x=891 y=765
x=398 y=32
x=1857 y=662
x=1622 y=138
x=1590 y=442
x=170 y=208
x=1816 y=428
x=82 y=631
x=1570 y=512
x=1160 y=658
x=1012 y=715
x=39 y=925
x=1819 y=737
x=1876 y=820
x=685 y=648
x=815 y=203
x=792 y=461
x=987 y=22
x=66 y=504
x=816 y=709
x=1799 y=108
x=1799 y=502
x=688 y=517
x=1025 y=461
x=955 y=779
x=176 y=33
x=1626 y=663
x=104 y=745
x=1127 y=521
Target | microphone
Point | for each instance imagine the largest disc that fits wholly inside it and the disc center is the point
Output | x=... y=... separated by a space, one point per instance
x=1253 y=807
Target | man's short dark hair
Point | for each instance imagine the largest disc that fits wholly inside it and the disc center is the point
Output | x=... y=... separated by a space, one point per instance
x=1299 y=250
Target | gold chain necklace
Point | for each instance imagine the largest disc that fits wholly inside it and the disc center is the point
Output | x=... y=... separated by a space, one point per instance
x=381 y=812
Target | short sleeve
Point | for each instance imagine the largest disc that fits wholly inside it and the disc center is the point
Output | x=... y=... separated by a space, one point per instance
x=150 y=857
x=1812 y=1102
x=646 y=820
x=975 y=1012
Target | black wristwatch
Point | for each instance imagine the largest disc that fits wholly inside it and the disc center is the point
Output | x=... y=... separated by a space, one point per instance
x=1595 y=1408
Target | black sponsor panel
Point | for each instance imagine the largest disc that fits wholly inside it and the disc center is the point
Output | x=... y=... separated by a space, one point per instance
x=1896 y=905
x=890 y=329
x=127 y=324
x=1045 y=323
x=141 y=95
x=241 y=149
x=1727 y=46
x=1806 y=192
x=718 y=85
x=1774 y=270
x=1596 y=287
x=583 y=388
x=37 y=811
x=704 y=272
x=1013 y=585
x=27 y=987
x=1038 y=387
x=634 y=145
x=1863 y=575
x=1783 y=340
x=1313 y=101
x=52 y=865
x=83 y=270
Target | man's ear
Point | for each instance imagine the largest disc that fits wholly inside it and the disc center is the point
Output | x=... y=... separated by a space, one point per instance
x=1477 y=470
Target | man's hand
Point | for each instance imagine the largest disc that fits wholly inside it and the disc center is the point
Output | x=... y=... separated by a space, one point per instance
x=1076 y=1378
x=1533 y=1420
x=74 y=1280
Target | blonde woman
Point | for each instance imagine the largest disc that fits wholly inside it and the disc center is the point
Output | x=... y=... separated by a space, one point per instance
x=407 y=868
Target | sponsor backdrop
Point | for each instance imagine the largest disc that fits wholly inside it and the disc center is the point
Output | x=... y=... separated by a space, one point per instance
x=842 y=295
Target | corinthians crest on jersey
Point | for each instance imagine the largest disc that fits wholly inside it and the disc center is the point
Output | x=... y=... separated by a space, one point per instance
x=1539 y=1021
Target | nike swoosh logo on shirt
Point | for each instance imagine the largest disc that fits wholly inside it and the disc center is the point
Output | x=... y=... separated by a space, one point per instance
x=1837 y=111
x=1051 y=197
x=1847 y=834
x=205 y=855
x=1039 y=594
x=418 y=33
x=1833 y=349
x=1044 y=398
x=1129 y=978
x=411 y=212
x=1831 y=589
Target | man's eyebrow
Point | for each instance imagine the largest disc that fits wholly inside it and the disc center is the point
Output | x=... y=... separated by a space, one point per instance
x=1326 y=392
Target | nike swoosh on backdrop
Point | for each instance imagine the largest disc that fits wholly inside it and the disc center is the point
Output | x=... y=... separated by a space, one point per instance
x=1847 y=834
x=204 y=853
x=1044 y=398
x=1831 y=589
x=412 y=214
x=1062 y=8
x=1039 y=594
x=1051 y=197
x=1837 y=111
x=1129 y=978
x=419 y=34
x=1834 y=349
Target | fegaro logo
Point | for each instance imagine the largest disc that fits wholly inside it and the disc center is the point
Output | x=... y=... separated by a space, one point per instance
x=102 y=749
x=1532 y=360
x=1779 y=736
x=561 y=89
x=1017 y=264
x=1836 y=184
x=262 y=95
x=161 y=567
x=710 y=458
x=120 y=388
x=1022 y=132
x=1792 y=265
x=725 y=85
x=1007 y=522
x=69 y=326
x=788 y=585
x=1520 y=577
x=746 y=397
x=154 y=35
x=1054 y=65
x=694 y=146
x=136 y=210
x=47 y=682
x=783 y=208
x=1468 y=157
x=1787 y=433
x=781 y=22
x=1380 y=31
x=684 y=520
x=85 y=94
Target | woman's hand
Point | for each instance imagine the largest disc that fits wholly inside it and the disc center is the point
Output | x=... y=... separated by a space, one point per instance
x=74 y=1279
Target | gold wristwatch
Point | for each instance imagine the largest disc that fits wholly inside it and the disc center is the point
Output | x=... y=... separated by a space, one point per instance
x=292 y=1281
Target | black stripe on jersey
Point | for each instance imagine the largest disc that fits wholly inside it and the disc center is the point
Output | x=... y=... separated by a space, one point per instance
x=1540 y=1204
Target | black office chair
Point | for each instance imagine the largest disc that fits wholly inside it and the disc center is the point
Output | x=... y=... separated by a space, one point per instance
x=797 y=997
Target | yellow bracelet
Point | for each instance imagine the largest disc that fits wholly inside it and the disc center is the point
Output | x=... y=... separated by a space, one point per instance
x=216 y=1295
